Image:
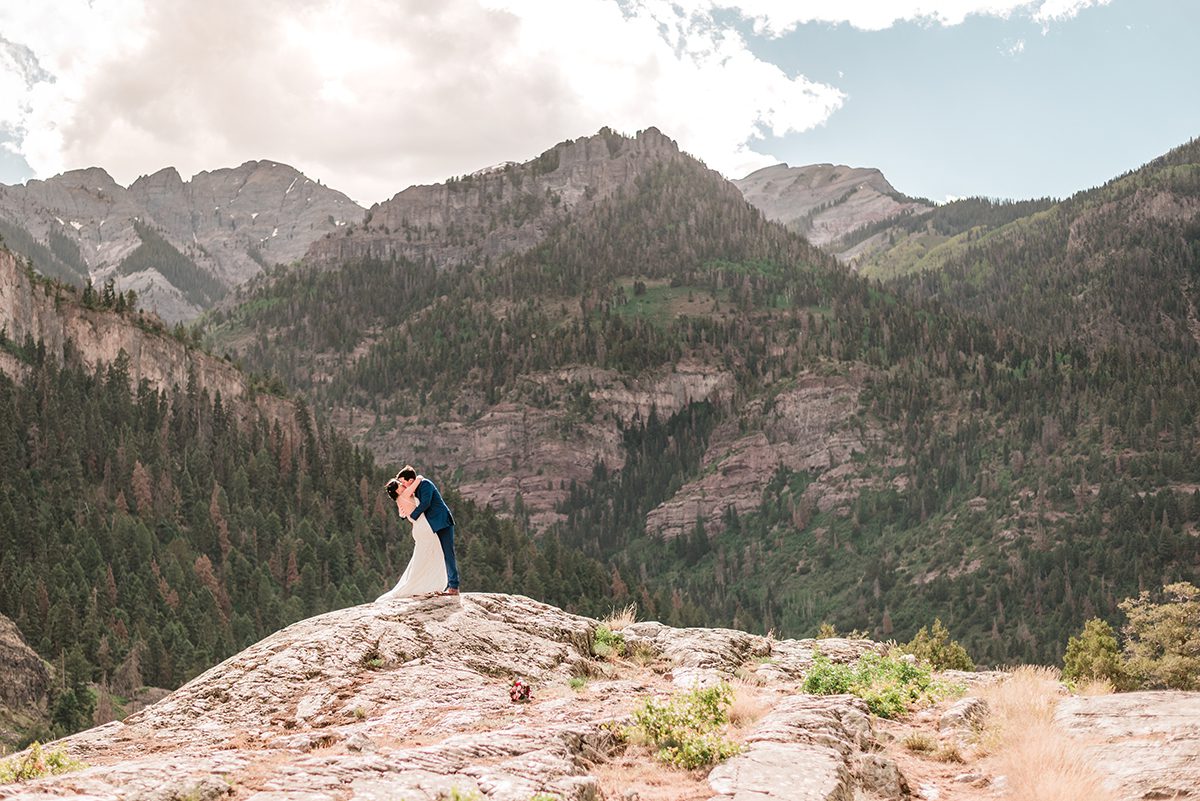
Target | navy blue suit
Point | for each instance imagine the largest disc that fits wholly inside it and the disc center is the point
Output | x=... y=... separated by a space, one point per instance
x=430 y=504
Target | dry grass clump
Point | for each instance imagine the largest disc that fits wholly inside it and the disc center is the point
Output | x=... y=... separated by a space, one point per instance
x=631 y=773
x=619 y=620
x=747 y=707
x=920 y=742
x=1095 y=687
x=1040 y=760
x=926 y=744
x=1026 y=698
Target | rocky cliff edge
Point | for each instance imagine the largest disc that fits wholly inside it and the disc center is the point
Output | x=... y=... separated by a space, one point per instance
x=409 y=699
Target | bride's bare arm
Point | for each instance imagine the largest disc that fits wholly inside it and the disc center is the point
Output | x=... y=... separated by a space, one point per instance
x=405 y=503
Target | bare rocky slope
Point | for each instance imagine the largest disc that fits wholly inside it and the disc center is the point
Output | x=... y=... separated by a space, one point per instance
x=34 y=309
x=25 y=688
x=229 y=223
x=824 y=202
x=409 y=699
x=516 y=449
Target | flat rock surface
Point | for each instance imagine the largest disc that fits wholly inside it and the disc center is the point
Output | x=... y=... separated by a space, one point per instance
x=1146 y=744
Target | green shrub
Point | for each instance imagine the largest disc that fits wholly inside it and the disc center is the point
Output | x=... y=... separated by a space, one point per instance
x=888 y=685
x=577 y=682
x=608 y=643
x=1162 y=640
x=35 y=763
x=1095 y=656
x=936 y=649
x=686 y=729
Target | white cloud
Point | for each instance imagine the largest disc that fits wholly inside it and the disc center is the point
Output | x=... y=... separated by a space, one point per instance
x=1057 y=10
x=777 y=17
x=375 y=95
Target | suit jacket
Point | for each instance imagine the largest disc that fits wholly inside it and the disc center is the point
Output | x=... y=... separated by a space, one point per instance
x=430 y=504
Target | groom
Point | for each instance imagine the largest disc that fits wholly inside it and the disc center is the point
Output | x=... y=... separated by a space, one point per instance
x=430 y=504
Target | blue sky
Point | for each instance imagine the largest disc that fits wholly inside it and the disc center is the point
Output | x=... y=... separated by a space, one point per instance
x=949 y=98
x=997 y=107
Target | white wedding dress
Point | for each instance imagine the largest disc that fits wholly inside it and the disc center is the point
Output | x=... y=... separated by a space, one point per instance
x=426 y=571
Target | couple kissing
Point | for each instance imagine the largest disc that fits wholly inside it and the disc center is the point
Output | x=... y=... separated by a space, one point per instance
x=433 y=569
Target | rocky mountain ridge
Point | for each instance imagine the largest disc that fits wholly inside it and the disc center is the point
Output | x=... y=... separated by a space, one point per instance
x=491 y=213
x=409 y=699
x=231 y=223
x=228 y=223
x=824 y=202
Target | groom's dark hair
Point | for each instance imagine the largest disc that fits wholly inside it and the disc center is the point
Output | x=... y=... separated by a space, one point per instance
x=408 y=473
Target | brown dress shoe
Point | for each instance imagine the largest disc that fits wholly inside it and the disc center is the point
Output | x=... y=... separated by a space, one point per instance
x=449 y=591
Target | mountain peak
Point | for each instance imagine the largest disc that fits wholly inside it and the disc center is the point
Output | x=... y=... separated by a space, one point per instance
x=498 y=210
x=86 y=177
x=224 y=225
x=824 y=202
x=166 y=177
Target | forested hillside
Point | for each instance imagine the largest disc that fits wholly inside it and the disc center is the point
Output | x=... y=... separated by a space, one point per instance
x=147 y=534
x=1010 y=482
x=1116 y=266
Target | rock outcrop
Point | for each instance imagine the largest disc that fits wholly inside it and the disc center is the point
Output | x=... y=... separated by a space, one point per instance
x=811 y=425
x=229 y=223
x=409 y=699
x=824 y=202
x=805 y=427
x=497 y=211
x=25 y=688
x=517 y=448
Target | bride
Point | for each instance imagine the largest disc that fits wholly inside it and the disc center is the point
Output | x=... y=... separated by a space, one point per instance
x=426 y=571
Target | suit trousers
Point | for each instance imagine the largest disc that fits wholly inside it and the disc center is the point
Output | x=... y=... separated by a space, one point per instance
x=446 y=537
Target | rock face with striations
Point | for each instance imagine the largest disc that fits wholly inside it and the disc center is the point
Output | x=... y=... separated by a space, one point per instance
x=518 y=448
x=807 y=427
x=497 y=211
x=25 y=688
x=824 y=202
x=228 y=224
x=33 y=309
